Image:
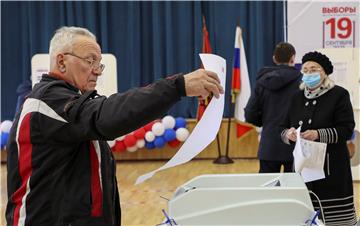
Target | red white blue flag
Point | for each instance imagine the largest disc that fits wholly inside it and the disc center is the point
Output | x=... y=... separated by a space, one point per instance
x=240 y=89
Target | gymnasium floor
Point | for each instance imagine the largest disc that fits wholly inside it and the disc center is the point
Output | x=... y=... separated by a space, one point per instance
x=142 y=204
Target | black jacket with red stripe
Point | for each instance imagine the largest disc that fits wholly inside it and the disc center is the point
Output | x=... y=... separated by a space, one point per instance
x=60 y=168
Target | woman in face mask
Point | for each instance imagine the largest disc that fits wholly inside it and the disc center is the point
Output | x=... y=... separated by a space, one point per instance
x=324 y=112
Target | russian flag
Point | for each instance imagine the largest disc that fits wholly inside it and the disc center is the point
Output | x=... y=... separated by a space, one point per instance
x=240 y=88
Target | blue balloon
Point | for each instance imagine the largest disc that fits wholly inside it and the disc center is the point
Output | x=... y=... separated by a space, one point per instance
x=159 y=142
x=4 y=139
x=180 y=122
x=149 y=145
x=169 y=135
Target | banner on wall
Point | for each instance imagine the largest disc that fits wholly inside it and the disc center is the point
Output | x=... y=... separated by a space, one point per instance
x=316 y=25
x=106 y=83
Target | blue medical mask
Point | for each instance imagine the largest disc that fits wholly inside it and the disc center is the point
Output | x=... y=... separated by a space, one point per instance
x=311 y=80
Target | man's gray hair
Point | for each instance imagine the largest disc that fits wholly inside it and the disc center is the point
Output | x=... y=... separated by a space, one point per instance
x=64 y=37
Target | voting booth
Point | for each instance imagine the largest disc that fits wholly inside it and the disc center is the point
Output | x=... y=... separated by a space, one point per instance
x=106 y=84
x=243 y=199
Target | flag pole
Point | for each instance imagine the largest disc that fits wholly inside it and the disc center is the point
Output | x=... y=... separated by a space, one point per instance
x=225 y=159
x=231 y=112
x=206 y=48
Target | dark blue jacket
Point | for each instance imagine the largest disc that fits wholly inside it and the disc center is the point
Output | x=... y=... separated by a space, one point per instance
x=268 y=106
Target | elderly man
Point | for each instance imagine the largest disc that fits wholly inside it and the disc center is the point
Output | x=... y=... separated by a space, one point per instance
x=60 y=168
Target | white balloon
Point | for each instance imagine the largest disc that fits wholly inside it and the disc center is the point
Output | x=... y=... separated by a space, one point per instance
x=158 y=129
x=149 y=136
x=111 y=143
x=168 y=122
x=132 y=148
x=182 y=134
x=6 y=126
x=120 y=138
x=140 y=143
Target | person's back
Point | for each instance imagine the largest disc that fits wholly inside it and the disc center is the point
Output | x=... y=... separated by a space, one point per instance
x=268 y=105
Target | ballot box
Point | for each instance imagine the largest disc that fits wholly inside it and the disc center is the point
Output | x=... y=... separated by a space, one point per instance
x=243 y=199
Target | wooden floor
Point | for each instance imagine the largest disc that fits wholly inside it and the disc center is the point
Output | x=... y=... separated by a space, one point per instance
x=142 y=204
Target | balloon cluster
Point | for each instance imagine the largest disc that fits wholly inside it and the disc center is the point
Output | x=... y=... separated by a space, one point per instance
x=5 y=131
x=153 y=135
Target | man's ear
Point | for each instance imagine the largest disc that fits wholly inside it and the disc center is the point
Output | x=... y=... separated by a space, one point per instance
x=274 y=60
x=292 y=60
x=60 y=63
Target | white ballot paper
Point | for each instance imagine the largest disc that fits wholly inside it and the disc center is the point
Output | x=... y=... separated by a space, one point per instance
x=309 y=158
x=206 y=129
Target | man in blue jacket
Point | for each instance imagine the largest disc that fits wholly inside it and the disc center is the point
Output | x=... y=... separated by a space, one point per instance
x=268 y=105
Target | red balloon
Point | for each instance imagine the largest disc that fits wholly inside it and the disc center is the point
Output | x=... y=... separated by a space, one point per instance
x=140 y=133
x=119 y=146
x=129 y=140
x=174 y=143
x=148 y=126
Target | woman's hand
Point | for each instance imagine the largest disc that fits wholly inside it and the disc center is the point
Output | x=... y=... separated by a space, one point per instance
x=291 y=134
x=310 y=135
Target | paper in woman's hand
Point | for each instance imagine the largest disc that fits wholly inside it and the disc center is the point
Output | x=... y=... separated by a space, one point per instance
x=309 y=158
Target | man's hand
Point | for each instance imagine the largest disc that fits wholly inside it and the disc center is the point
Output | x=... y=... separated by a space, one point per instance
x=202 y=83
x=310 y=135
x=291 y=134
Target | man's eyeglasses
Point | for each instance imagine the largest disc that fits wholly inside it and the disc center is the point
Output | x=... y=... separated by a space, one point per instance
x=97 y=66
